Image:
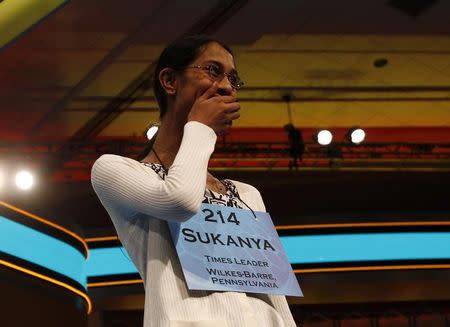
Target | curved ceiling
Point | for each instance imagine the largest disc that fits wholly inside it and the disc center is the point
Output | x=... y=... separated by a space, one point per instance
x=63 y=72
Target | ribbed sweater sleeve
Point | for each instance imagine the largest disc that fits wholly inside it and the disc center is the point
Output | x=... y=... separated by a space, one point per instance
x=124 y=183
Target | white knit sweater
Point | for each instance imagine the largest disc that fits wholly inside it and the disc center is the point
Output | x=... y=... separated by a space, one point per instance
x=139 y=203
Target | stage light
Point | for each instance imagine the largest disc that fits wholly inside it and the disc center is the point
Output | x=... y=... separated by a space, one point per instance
x=152 y=131
x=2 y=180
x=324 y=137
x=24 y=180
x=356 y=135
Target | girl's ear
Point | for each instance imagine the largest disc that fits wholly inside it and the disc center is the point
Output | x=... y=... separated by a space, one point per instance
x=167 y=78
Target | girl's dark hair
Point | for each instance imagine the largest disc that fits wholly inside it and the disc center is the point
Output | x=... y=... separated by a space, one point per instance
x=178 y=55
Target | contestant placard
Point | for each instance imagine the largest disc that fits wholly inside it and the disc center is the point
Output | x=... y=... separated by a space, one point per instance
x=227 y=249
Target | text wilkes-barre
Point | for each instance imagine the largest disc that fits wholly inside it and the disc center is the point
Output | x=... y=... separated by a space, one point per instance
x=240 y=274
x=226 y=240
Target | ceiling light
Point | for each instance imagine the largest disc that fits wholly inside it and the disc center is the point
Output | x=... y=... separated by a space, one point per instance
x=380 y=62
x=324 y=137
x=2 y=180
x=152 y=131
x=356 y=135
x=24 y=180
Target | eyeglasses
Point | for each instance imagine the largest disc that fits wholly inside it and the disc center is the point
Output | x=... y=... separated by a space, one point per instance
x=216 y=73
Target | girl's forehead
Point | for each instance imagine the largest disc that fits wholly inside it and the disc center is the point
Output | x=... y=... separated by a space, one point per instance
x=215 y=52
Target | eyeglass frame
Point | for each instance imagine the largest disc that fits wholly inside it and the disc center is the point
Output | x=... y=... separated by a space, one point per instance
x=207 y=68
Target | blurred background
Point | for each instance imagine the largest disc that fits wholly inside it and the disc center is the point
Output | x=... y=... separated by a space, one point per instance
x=76 y=82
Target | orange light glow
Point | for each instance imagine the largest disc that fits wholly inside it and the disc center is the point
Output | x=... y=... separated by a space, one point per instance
x=114 y=283
x=101 y=239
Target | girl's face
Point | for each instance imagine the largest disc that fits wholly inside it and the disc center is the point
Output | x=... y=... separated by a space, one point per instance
x=197 y=77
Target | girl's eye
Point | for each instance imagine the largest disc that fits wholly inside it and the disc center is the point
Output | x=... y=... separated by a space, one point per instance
x=215 y=70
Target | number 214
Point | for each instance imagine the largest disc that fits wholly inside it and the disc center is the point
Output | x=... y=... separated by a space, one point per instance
x=210 y=217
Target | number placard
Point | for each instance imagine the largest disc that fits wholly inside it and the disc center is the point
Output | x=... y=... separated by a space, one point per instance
x=227 y=249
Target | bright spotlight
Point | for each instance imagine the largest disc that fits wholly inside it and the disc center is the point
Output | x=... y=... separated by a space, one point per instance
x=24 y=180
x=324 y=137
x=357 y=135
x=2 y=180
x=152 y=131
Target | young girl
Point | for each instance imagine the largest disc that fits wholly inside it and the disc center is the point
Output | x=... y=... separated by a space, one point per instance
x=196 y=84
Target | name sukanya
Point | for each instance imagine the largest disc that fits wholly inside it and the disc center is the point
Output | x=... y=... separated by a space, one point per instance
x=226 y=240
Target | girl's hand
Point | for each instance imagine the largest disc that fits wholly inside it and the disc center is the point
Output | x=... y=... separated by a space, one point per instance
x=216 y=111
